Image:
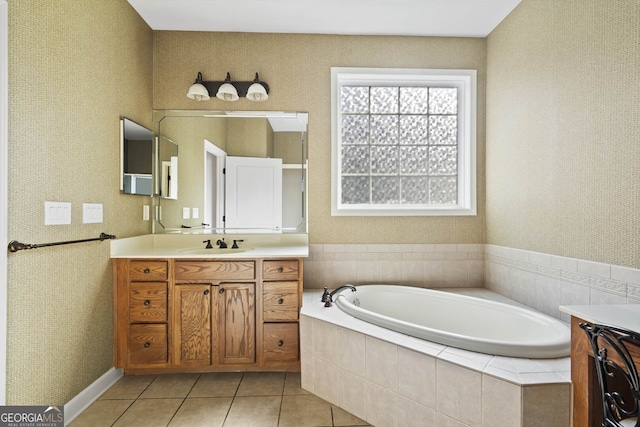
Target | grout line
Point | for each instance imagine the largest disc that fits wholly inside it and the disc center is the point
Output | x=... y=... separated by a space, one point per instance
x=184 y=400
x=233 y=399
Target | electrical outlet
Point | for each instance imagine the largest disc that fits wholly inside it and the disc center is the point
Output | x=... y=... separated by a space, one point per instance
x=195 y=213
x=145 y=212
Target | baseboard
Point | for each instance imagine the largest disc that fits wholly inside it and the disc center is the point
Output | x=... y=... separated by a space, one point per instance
x=86 y=397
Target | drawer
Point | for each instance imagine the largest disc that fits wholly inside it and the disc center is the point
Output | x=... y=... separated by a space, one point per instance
x=280 y=342
x=147 y=344
x=147 y=302
x=147 y=270
x=280 y=301
x=215 y=270
x=280 y=270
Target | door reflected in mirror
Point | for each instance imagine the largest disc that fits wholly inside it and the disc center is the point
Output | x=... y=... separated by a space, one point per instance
x=136 y=158
x=206 y=139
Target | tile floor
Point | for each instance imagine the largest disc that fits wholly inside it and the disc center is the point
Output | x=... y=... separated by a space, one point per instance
x=229 y=399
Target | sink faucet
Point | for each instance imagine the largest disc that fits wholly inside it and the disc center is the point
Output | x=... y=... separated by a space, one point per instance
x=327 y=297
x=221 y=244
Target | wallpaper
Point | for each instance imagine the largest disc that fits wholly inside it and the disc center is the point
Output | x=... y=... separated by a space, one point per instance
x=563 y=141
x=75 y=68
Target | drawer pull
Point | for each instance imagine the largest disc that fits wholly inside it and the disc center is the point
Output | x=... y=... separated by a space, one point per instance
x=146 y=345
x=206 y=292
x=280 y=343
x=280 y=269
x=147 y=302
x=146 y=271
x=280 y=301
x=221 y=291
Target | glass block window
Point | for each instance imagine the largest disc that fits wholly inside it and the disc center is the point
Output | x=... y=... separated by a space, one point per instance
x=403 y=142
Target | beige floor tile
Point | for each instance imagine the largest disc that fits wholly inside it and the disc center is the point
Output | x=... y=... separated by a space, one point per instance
x=170 y=386
x=102 y=413
x=129 y=387
x=343 y=418
x=216 y=384
x=292 y=384
x=261 y=384
x=304 y=411
x=254 y=411
x=204 y=412
x=149 y=413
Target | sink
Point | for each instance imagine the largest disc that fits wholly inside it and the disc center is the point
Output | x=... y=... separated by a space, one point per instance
x=212 y=251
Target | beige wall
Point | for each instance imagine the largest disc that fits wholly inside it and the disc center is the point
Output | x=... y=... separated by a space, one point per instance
x=563 y=134
x=297 y=69
x=75 y=67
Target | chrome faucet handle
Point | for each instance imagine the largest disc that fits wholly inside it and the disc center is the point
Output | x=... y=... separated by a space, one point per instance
x=325 y=296
x=208 y=242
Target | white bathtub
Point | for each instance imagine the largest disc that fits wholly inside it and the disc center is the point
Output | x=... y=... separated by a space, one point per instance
x=459 y=321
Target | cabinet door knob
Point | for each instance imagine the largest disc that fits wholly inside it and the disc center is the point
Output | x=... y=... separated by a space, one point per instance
x=146 y=271
x=280 y=269
x=146 y=345
x=280 y=301
x=206 y=292
x=280 y=343
x=221 y=291
x=147 y=302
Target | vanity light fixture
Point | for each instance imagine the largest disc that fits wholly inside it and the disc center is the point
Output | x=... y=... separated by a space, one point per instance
x=229 y=90
x=197 y=90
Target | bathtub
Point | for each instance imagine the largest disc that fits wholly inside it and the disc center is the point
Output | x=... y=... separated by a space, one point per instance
x=460 y=321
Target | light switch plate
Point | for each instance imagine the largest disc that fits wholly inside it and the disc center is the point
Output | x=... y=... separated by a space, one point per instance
x=145 y=212
x=57 y=213
x=186 y=213
x=195 y=213
x=92 y=213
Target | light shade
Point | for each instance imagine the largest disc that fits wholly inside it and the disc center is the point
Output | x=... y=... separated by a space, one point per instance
x=227 y=92
x=197 y=90
x=257 y=92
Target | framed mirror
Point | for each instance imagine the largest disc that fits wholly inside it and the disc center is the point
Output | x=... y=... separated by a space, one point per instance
x=136 y=158
x=265 y=191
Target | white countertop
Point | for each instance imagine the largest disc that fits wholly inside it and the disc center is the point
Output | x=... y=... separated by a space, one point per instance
x=625 y=316
x=292 y=245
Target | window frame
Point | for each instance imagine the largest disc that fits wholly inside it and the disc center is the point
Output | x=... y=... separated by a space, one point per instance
x=466 y=82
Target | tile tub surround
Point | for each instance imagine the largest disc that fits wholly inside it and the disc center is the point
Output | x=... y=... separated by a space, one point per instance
x=545 y=282
x=390 y=379
x=426 y=265
x=540 y=281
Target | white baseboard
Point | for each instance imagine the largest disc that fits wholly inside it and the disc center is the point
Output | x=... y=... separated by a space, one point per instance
x=86 y=397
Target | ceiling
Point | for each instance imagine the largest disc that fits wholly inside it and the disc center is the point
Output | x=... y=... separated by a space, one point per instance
x=455 y=18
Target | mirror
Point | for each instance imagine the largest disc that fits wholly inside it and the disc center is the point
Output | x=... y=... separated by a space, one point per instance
x=136 y=158
x=265 y=189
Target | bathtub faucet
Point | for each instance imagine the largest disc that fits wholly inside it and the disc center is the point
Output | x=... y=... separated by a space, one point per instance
x=327 y=297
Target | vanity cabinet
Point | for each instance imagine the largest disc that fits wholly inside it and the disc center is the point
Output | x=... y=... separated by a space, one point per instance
x=190 y=315
x=141 y=312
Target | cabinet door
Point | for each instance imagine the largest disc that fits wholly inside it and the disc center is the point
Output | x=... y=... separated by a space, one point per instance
x=237 y=323
x=193 y=328
x=253 y=193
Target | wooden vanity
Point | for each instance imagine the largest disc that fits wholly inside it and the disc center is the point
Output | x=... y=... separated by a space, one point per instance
x=587 y=405
x=201 y=315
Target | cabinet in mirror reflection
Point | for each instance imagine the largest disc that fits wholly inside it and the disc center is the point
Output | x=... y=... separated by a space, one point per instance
x=258 y=199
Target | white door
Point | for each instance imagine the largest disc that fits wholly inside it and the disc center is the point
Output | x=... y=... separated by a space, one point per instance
x=253 y=195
